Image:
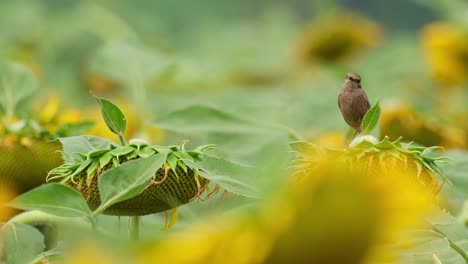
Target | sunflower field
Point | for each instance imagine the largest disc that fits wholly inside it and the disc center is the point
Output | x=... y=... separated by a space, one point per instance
x=301 y=131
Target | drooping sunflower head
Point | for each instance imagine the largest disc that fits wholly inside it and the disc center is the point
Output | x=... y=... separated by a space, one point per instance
x=349 y=204
x=336 y=37
x=445 y=47
x=175 y=183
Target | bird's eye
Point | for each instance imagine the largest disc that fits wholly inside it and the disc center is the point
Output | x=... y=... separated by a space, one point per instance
x=358 y=81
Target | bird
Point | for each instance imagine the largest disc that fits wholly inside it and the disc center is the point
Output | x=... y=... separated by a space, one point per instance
x=353 y=102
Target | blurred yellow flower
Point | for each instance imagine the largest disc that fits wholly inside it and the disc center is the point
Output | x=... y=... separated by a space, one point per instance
x=49 y=109
x=227 y=241
x=333 y=140
x=337 y=37
x=7 y=193
x=350 y=204
x=402 y=120
x=340 y=207
x=445 y=48
x=87 y=252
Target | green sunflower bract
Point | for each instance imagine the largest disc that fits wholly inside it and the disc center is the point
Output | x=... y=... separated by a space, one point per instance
x=177 y=182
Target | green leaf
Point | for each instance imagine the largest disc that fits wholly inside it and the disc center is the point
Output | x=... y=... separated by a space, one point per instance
x=92 y=168
x=105 y=159
x=444 y=242
x=97 y=153
x=457 y=172
x=22 y=243
x=113 y=116
x=74 y=146
x=73 y=129
x=197 y=119
x=172 y=160
x=122 y=151
x=127 y=180
x=371 y=119
x=385 y=144
x=53 y=198
x=230 y=176
x=146 y=152
x=17 y=83
x=137 y=61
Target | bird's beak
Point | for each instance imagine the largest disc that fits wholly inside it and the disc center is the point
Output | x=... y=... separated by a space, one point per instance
x=359 y=85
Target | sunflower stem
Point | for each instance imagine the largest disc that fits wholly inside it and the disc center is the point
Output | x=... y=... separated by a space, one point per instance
x=134 y=227
x=122 y=139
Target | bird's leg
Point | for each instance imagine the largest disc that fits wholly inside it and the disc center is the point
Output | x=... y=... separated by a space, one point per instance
x=355 y=133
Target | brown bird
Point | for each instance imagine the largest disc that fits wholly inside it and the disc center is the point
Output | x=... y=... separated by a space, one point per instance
x=353 y=102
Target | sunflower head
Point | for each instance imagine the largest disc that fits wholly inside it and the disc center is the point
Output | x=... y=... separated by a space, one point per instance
x=24 y=162
x=348 y=204
x=404 y=121
x=336 y=37
x=177 y=182
x=445 y=48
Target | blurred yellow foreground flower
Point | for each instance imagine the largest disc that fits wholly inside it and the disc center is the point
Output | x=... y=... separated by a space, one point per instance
x=337 y=37
x=340 y=207
x=89 y=251
x=445 y=47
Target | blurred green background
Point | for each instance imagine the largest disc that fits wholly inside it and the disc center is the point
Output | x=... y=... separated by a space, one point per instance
x=250 y=77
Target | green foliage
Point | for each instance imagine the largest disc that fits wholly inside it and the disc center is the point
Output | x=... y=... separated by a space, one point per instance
x=75 y=147
x=138 y=63
x=69 y=129
x=371 y=119
x=457 y=172
x=17 y=84
x=127 y=180
x=444 y=241
x=197 y=119
x=228 y=175
x=243 y=92
x=56 y=199
x=113 y=116
x=21 y=243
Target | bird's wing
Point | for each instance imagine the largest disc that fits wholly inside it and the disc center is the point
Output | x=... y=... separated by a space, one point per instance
x=339 y=98
x=360 y=106
x=367 y=101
